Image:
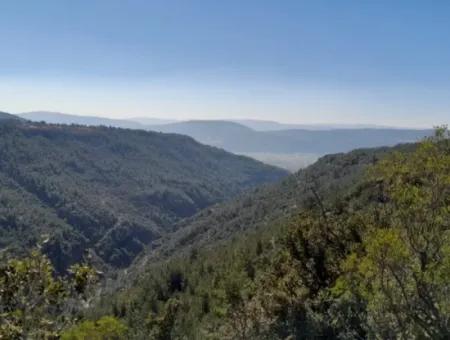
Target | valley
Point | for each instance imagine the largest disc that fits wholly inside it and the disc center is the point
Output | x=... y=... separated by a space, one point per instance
x=167 y=238
x=109 y=190
x=224 y=170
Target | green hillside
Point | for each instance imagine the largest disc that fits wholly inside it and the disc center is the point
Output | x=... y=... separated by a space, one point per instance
x=73 y=188
x=326 y=179
x=7 y=116
x=371 y=261
x=356 y=246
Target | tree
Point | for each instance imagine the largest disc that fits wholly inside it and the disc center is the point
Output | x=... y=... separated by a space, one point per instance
x=161 y=326
x=106 y=328
x=34 y=303
x=402 y=269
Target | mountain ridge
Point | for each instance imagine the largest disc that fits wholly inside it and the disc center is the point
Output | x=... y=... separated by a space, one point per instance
x=108 y=189
x=65 y=118
x=290 y=148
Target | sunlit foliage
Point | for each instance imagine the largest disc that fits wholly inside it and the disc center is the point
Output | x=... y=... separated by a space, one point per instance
x=373 y=262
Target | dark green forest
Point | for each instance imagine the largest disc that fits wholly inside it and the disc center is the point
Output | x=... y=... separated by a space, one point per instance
x=112 y=191
x=356 y=246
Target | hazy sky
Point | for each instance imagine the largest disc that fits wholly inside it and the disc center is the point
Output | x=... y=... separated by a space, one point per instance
x=382 y=62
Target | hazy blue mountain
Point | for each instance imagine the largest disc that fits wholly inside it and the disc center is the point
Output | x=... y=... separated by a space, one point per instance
x=64 y=118
x=238 y=138
x=288 y=161
x=152 y=121
x=268 y=125
x=224 y=134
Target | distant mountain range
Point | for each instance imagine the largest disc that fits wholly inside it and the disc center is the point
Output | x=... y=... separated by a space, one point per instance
x=285 y=145
x=236 y=137
x=142 y=122
x=268 y=125
x=152 y=121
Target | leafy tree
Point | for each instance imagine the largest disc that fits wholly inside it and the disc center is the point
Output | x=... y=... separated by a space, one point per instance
x=34 y=303
x=106 y=328
x=161 y=327
x=402 y=269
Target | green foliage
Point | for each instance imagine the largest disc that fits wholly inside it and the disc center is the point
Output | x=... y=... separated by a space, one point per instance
x=106 y=328
x=371 y=260
x=113 y=191
x=330 y=178
x=328 y=253
x=160 y=326
x=36 y=305
x=402 y=270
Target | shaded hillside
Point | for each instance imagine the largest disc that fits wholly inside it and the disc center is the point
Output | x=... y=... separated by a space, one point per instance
x=326 y=179
x=108 y=189
x=7 y=116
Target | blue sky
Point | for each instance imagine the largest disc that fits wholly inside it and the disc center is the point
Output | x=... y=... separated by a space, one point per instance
x=382 y=62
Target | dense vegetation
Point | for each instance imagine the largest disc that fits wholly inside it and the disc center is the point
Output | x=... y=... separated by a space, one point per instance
x=372 y=262
x=36 y=305
x=356 y=246
x=329 y=178
x=112 y=191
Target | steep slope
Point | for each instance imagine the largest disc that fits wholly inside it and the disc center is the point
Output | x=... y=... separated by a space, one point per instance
x=108 y=189
x=327 y=179
x=371 y=261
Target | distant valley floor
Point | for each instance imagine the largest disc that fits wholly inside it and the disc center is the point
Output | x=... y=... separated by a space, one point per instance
x=289 y=161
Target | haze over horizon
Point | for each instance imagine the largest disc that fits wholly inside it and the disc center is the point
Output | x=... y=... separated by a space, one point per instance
x=245 y=121
x=377 y=63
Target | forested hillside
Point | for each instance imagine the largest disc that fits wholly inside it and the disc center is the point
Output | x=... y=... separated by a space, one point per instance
x=109 y=190
x=327 y=179
x=64 y=118
x=370 y=261
x=356 y=246
x=7 y=116
x=228 y=170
